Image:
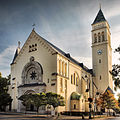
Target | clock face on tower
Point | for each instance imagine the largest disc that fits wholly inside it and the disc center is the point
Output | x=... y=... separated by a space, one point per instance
x=99 y=52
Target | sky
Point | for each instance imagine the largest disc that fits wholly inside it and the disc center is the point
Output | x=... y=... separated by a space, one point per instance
x=65 y=23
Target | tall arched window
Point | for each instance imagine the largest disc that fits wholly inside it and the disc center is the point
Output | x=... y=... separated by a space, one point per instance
x=74 y=106
x=71 y=79
x=103 y=37
x=65 y=69
x=95 y=38
x=62 y=68
x=59 y=66
x=99 y=37
x=77 y=81
x=61 y=85
x=74 y=79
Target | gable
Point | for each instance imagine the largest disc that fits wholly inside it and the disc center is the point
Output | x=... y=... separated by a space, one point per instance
x=32 y=44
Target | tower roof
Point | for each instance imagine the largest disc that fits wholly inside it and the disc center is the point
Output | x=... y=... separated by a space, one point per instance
x=99 y=18
x=109 y=89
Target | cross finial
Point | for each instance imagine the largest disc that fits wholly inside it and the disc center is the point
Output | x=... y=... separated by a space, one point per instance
x=100 y=5
x=33 y=26
x=18 y=44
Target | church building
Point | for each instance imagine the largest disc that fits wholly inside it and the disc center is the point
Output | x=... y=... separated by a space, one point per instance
x=40 y=66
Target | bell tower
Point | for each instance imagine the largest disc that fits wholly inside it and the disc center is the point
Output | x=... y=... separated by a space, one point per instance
x=101 y=52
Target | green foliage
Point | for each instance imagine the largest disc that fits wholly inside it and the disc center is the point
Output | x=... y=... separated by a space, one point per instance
x=117 y=49
x=27 y=100
x=107 y=100
x=116 y=72
x=3 y=85
x=55 y=99
x=0 y=74
x=40 y=99
x=116 y=76
x=5 y=98
x=119 y=101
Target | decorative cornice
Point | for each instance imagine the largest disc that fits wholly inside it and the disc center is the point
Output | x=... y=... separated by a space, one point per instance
x=32 y=85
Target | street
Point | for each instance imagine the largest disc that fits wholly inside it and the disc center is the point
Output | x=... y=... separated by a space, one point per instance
x=22 y=116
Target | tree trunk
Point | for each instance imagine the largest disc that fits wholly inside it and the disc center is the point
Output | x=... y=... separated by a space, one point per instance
x=37 y=110
x=53 y=112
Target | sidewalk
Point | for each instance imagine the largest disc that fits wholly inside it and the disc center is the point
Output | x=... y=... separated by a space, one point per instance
x=49 y=117
x=63 y=117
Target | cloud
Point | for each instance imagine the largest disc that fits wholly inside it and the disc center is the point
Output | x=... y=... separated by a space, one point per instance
x=112 y=8
x=66 y=24
x=87 y=61
x=5 y=59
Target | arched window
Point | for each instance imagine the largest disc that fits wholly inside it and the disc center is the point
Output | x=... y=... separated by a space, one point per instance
x=95 y=38
x=103 y=37
x=99 y=37
x=65 y=69
x=77 y=81
x=62 y=68
x=74 y=106
x=61 y=85
x=59 y=66
x=99 y=60
x=71 y=79
x=30 y=48
x=74 y=79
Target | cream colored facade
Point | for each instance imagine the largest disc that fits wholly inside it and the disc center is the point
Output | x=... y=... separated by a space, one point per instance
x=102 y=55
x=55 y=72
x=39 y=66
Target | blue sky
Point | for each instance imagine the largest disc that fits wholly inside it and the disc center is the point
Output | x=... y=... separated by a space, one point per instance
x=65 y=23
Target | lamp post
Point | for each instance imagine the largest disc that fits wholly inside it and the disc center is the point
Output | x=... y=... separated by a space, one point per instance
x=97 y=93
x=90 y=106
x=89 y=99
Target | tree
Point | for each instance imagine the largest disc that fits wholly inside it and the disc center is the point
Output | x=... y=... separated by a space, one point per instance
x=27 y=100
x=107 y=100
x=39 y=99
x=119 y=101
x=0 y=74
x=55 y=99
x=116 y=72
x=5 y=98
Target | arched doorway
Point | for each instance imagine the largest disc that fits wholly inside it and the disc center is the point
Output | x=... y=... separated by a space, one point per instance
x=77 y=102
x=30 y=107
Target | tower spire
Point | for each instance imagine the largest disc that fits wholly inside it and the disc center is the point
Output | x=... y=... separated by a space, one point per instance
x=100 y=17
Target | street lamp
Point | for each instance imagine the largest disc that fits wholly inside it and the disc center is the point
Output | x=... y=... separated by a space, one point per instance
x=97 y=93
x=90 y=106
